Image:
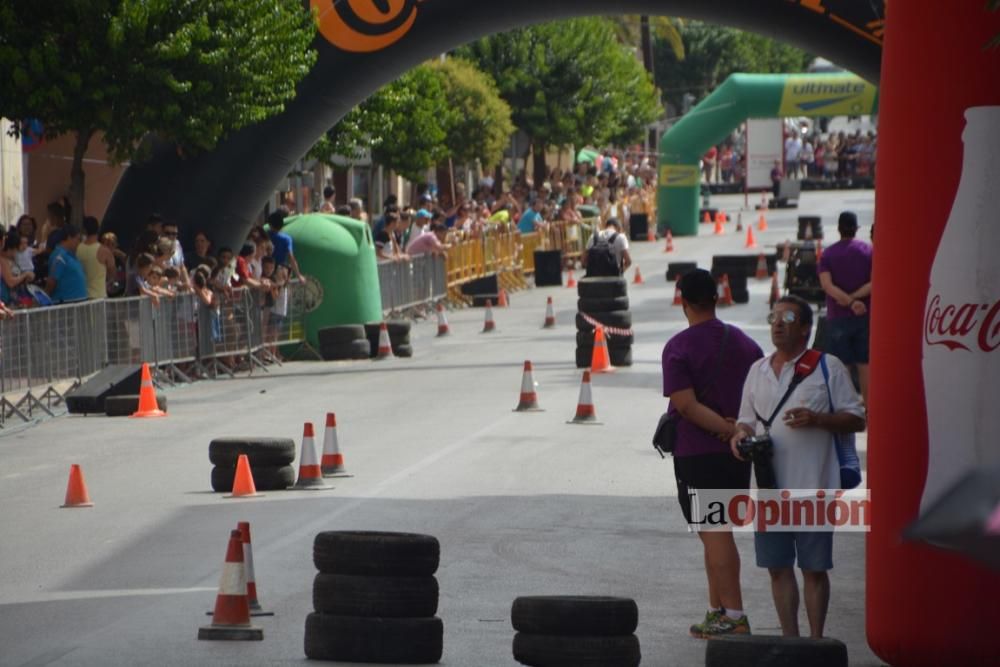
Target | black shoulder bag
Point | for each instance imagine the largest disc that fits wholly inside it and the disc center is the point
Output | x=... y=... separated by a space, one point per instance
x=665 y=437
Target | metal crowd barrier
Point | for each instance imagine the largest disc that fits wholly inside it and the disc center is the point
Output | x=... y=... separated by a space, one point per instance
x=421 y=280
x=42 y=349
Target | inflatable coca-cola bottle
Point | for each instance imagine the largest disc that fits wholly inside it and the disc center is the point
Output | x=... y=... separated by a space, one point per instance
x=961 y=362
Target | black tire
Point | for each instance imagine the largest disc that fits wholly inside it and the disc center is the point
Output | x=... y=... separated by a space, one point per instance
x=401 y=641
x=576 y=615
x=372 y=329
x=361 y=349
x=260 y=451
x=591 y=305
x=621 y=319
x=386 y=597
x=774 y=651
x=619 y=356
x=340 y=351
x=344 y=333
x=403 y=351
x=562 y=651
x=376 y=554
x=584 y=355
x=584 y=339
x=398 y=328
x=265 y=478
x=741 y=296
x=677 y=269
x=399 y=340
x=125 y=405
x=602 y=288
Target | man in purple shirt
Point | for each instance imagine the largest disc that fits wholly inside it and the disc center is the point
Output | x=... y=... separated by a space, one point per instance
x=704 y=368
x=845 y=272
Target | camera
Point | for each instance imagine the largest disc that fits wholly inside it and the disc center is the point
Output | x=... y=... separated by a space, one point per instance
x=760 y=450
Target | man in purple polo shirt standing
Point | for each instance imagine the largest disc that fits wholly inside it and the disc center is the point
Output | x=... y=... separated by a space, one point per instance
x=704 y=368
x=845 y=272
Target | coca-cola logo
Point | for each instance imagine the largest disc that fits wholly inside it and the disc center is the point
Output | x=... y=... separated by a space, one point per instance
x=963 y=326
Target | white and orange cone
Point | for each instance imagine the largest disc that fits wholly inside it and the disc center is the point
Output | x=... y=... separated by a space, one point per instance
x=310 y=474
x=739 y=221
x=762 y=223
x=489 y=325
x=570 y=280
x=332 y=463
x=148 y=407
x=677 y=295
x=670 y=242
x=384 y=344
x=550 y=315
x=529 y=399
x=585 y=412
x=443 y=329
x=252 y=601
x=231 y=618
x=725 y=292
x=638 y=277
x=502 y=301
x=600 y=361
x=761 y=267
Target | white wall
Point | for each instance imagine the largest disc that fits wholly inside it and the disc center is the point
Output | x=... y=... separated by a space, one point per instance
x=11 y=176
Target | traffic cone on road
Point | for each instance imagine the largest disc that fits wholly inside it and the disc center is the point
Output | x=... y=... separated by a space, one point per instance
x=761 y=267
x=670 y=242
x=489 y=325
x=310 y=475
x=651 y=235
x=600 y=362
x=243 y=486
x=585 y=412
x=706 y=217
x=725 y=293
x=384 y=344
x=751 y=241
x=529 y=399
x=332 y=463
x=775 y=290
x=677 y=295
x=725 y=218
x=638 y=277
x=147 y=397
x=502 y=302
x=763 y=201
x=719 y=228
x=570 y=280
x=762 y=223
x=739 y=221
x=550 y=315
x=720 y=218
x=252 y=602
x=76 y=489
x=231 y=618
x=443 y=329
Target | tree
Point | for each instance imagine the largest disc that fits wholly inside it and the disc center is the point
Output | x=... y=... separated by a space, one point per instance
x=189 y=71
x=568 y=82
x=712 y=53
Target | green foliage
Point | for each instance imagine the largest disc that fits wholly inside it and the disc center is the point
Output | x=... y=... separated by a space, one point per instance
x=569 y=82
x=713 y=52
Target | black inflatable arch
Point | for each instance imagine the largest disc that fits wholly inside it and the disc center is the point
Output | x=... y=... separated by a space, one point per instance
x=364 y=44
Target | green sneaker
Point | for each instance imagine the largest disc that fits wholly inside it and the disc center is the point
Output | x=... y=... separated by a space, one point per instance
x=726 y=626
x=698 y=629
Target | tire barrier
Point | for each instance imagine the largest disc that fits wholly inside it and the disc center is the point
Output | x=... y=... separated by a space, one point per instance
x=774 y=651
x=269 y=459
x=565 y=631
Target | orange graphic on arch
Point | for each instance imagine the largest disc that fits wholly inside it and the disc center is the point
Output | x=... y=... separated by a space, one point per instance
x=363 y=26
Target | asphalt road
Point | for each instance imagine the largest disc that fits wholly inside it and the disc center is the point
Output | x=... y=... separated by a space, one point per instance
x=522 y=503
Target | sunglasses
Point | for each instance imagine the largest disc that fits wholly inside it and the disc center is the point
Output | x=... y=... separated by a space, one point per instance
x=787 y=316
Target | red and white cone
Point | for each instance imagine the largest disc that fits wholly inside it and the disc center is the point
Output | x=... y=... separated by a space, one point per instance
x=443 y=329
x=332 y=463
x=489 y=325
x=252 y=602
x=550 y=315
x=310 y=475
x=570 y=280
x=677 y=295
x=529 y=399
x=384 y=344
x=585 y=412
x=231 y=618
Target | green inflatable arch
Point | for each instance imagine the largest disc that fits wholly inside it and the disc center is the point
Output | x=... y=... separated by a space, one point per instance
x=740 y=97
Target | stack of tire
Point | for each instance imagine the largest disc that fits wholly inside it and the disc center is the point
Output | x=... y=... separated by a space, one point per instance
x=399 y=337
x=346 y=341
x=575 y=631
x=604 y=300
x=270 y=462
x=739 y=268
x=375 y=599
x=677 y=269
x=774 y=651
x=126 y=404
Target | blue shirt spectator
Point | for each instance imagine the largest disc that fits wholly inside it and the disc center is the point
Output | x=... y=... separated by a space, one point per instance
x=67 y=281
x=283 y=253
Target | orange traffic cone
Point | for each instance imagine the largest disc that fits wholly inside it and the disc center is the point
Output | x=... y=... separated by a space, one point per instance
x=677 y=295
x=243 y=486
x=310 y=474
x=443 y=329
x=670 y=242
x=751 y=241
x=762 y=223
x=231 y=618
x=725 y=218
x=529 y=399
x=638 y=277
x=719 y=229
x=550 y=315
x=725 y=293
x=502 y=302
x=720 y=217
x=489 y=325
x=775 y=290
x=706 y=218
x=761 y=267
x=332 y=463
x=585 y=412
x=739 y=221
x=76 y=489
x=147 y=397
x=570 y=280
x=384 y=344
x=252 y=601
x=600 y=362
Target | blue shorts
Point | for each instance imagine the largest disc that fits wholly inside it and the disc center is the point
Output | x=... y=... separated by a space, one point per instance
x=847 y=339
x=814 y=551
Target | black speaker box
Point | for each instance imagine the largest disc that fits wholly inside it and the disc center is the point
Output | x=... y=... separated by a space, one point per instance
x=548 y=268
x=114 y=380
x=486 y=285
x=638 y=227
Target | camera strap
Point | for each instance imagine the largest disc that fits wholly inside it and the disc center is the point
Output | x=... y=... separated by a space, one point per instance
x=806 y=364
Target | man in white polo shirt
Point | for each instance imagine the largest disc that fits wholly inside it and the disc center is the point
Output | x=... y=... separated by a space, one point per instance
x=804 y=455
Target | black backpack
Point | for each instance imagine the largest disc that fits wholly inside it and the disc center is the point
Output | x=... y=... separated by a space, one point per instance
x=601 y=259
